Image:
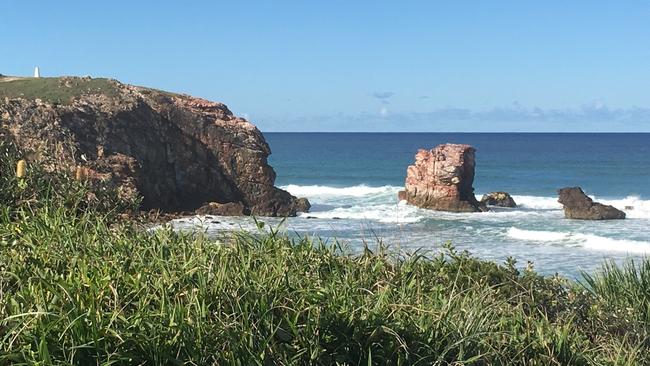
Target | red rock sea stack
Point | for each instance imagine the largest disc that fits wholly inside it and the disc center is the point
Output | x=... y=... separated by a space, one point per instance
x=441 y=179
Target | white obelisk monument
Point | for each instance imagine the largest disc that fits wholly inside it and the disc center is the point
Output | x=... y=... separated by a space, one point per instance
x=37 y=72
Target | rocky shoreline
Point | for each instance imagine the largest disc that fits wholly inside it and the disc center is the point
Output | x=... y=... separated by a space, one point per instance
x=185 y=156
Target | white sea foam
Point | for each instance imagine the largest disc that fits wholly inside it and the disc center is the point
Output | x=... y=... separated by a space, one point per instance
x=634 y=207
x=385 y=213
x=375 y=202
x=560 y=245
x=590 y=241
x=537 y=202
x=537 y=235
x=352 y=191
x=602 y=243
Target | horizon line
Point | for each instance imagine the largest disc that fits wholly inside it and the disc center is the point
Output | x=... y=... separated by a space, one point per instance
x=475 y=132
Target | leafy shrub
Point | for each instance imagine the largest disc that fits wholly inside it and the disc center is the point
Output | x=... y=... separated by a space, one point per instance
x=42 y=188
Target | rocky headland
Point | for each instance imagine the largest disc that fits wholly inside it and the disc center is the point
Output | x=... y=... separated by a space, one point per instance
x=179 y=153
x=441 y=179
x=577 y=205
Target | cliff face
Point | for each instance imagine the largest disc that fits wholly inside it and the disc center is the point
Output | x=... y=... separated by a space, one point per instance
x=177 y=151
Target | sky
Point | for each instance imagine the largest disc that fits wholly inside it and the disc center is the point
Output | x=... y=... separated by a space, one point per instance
x=408 y=66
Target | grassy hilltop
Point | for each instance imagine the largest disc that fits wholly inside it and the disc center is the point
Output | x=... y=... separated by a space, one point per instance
x=80 y=285
x=59 y=90
x=63 y=89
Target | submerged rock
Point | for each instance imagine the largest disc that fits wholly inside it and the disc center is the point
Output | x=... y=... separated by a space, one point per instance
x=176 y=151
x=501 y=199
x=577 y=205
x=401 y=195
x=441 y=179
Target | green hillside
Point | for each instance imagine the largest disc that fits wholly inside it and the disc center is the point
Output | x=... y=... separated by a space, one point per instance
x=60 y=90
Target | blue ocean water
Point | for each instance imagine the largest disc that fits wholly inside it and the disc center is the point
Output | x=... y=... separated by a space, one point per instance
x=352 y=180
x=608 y=165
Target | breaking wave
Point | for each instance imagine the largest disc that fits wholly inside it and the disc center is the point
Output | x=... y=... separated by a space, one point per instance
x=633 y=206
x=385 y=213
x=589 y=241
x=379 y=202
x=352 y=191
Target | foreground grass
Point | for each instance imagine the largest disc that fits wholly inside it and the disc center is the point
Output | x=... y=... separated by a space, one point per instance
x=78 y=286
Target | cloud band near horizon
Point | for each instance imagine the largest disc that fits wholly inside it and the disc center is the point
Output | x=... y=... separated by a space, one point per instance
x=588 y=118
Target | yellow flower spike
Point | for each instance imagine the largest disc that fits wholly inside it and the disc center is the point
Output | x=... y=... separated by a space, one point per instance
x=81 y=174
x=21 y=169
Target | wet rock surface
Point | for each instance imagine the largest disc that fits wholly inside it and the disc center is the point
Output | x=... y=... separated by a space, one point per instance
x=577 y=205
x=500 y=199
x=222 y=209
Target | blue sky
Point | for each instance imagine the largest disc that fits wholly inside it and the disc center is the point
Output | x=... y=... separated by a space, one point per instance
x=359 y=65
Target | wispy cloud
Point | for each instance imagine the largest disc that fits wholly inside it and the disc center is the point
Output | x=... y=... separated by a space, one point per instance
x=383 y=96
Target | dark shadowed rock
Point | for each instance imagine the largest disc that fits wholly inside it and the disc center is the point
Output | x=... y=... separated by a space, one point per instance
x=222 y=209
x=178 y=152
x=401 y=195
x=577 y=205
x=441 y=179
x=501 y=199
x=302 y=205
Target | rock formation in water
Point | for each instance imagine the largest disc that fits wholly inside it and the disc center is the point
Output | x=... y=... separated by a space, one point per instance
x=178 y=152
x=577 y=205
x=441 y=179
x=501 y=199
x=222 y=209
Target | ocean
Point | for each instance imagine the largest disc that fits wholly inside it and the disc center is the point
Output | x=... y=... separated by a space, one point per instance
x=352 y=180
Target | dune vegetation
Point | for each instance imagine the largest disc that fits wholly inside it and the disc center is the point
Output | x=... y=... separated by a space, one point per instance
x=81 y=284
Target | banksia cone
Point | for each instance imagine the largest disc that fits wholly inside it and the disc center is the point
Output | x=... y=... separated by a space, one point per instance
x=81 y=174
x=21 y=169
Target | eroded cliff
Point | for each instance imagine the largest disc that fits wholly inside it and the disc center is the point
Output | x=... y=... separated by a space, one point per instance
x=178 y=152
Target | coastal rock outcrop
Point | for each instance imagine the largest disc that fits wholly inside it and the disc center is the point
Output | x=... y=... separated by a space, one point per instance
x=222 y=209
x=501 y=199
x=441 y=179
x=178 y=152
x=577 y=205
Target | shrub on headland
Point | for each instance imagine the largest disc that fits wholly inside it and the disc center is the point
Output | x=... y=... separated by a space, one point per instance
x=29 y=186
x=79 y=286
